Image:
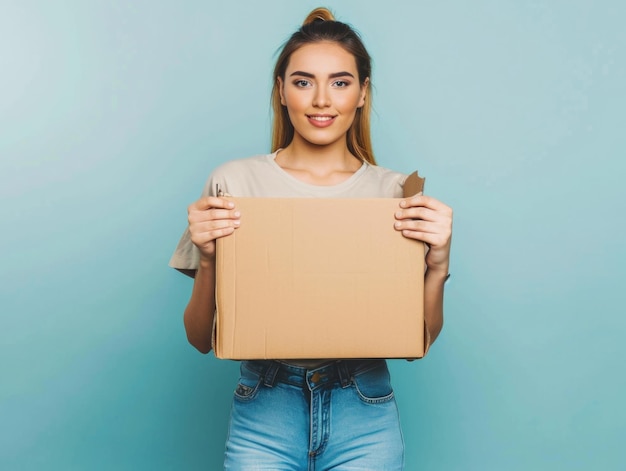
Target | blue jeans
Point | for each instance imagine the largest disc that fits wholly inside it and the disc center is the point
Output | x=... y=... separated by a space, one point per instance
x=342 y=416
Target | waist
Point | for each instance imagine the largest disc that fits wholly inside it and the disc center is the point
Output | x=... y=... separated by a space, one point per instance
x=338 y=371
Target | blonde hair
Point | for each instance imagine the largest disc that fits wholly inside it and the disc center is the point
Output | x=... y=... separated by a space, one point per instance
x=320 y=25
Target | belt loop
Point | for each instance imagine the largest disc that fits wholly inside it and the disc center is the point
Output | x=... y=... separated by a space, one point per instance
x=269 y=377
x=344 y=374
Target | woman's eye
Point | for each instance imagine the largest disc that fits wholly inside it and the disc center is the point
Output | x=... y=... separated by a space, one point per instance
x=341 y=83
x=301 y=83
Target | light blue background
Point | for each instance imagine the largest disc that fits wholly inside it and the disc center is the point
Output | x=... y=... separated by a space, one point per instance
x=113 y=113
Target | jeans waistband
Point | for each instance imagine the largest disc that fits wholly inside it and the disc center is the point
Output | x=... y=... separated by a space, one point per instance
x=338 y=371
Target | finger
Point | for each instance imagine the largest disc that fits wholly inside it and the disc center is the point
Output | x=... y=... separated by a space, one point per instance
x=431 y=238
x=420 y=226
x=437 y=212
x=202 y=234
x=224 y=214
x=418 y=212
x=422 y=200
x=208 y=202
x=207 y=227
x=213 y=215
x=218 y=233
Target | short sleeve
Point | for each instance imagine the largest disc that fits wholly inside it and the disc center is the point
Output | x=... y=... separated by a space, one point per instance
x=186 y=257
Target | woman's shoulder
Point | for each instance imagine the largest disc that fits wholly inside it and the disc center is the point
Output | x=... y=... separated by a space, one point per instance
x=381 y=182
x=237 y=166
x=240 y=177
x=387 y=173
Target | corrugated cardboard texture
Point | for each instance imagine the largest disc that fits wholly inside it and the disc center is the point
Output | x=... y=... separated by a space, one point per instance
x=309 y=278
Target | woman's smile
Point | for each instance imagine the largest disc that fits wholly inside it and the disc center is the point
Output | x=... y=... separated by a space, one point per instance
x=321 y=120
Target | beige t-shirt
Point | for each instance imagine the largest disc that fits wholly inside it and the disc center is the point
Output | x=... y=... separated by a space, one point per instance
x=261 y=176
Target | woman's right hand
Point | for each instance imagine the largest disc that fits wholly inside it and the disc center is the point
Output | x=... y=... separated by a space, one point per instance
x=211 y=218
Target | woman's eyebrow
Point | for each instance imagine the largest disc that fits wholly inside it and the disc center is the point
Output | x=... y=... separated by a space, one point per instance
x=333 y=75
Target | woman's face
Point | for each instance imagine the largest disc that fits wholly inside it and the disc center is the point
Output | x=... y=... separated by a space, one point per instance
x=321 y=91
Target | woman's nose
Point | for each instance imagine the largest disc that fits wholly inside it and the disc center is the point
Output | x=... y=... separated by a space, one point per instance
x=321 y=99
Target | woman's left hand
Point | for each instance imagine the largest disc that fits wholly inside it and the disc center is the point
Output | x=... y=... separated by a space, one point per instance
x=429 y=220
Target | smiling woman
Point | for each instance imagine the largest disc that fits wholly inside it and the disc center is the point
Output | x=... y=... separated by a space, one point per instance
x=280 y=418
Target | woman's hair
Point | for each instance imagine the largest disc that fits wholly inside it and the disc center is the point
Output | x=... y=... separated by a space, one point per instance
x=320 y=26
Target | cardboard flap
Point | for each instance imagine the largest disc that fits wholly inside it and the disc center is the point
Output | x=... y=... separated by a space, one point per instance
x=413 y=185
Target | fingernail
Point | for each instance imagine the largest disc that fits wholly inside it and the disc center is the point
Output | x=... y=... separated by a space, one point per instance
x=399 y=214
x=397 y=224
x=231 y=204
x=236 y=222
x=237 y=214
x=403 y=204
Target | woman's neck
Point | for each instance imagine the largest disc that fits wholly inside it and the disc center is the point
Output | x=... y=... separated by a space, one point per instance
x=318 y=165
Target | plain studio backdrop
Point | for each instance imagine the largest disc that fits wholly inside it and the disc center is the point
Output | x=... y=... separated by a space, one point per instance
x=112 y=115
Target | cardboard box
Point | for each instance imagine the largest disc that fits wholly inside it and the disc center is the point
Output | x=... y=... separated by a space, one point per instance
x=315 y=278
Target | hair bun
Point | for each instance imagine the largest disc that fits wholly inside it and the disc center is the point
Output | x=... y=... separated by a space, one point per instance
x=319 y=14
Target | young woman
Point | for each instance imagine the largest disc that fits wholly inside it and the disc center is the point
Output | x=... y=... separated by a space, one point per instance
x=283 y=417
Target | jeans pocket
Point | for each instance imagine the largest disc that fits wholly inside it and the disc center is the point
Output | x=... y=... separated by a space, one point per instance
x=248 y=385
x=374 y=385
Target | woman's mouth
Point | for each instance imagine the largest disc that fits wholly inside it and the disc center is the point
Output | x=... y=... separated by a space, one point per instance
x=320 y=121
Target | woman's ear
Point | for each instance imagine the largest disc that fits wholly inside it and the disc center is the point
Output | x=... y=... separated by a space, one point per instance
x=364 y=88
x=279 y=83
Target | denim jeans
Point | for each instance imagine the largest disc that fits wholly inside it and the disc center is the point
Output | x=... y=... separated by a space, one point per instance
x=342 y=416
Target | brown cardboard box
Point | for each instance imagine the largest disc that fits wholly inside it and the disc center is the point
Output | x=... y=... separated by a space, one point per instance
x=313 y=278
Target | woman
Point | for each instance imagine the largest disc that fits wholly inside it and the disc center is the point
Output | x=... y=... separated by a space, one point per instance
x=281 y=418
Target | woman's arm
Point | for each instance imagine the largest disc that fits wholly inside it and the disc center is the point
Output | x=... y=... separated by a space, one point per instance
x=429 y=220
x=209 y=218
x=200 y=310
